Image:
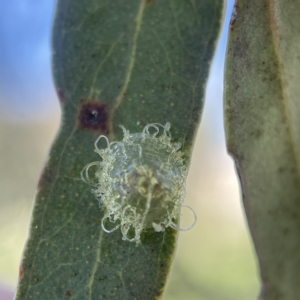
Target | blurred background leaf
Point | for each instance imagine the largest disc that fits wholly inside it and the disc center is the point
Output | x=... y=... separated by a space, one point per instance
x=214 y=261
x=263 y=134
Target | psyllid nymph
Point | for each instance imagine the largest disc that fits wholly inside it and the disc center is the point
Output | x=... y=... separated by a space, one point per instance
x=140 y=181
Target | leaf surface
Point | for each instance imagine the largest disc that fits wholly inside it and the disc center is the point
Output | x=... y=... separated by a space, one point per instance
x=263 y=134
x=115 y=63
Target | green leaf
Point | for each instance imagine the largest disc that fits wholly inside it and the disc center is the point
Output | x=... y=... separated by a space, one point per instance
x=263 y=134
x=116 y=63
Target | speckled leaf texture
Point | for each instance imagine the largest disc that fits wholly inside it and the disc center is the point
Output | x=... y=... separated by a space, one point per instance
x=115 y=62
x=263 y=134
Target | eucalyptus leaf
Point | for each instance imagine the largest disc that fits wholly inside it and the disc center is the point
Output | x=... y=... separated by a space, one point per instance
x=263 y=134
x=118 y=62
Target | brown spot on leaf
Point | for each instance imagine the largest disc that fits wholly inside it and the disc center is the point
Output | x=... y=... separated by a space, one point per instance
x=148 y=2
x=46 y=177
x=61 y=95
x=94 y=115
x=233 y=16
x=68 y=293
x=21 y=273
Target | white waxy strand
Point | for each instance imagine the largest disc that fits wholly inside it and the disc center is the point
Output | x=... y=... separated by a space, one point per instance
x=140 y=181
x=97 y=141
x=195 y=218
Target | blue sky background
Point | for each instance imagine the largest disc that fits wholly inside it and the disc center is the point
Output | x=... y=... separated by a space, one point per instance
x=26 y=88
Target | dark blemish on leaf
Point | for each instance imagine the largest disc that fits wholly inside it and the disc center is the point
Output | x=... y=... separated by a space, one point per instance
x=21 y=273
x=61 y=95
x=148 y=2
x=256 y=133
x=68 y=293
x=233 y=16
x=294 y=215
x=286 y=231
x=94 y=115
x=46 y=177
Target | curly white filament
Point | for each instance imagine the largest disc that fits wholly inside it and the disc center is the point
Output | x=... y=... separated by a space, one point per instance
x=140 y=181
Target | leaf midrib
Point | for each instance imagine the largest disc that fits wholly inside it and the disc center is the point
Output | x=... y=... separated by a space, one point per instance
x=138 y=25
x=138 y=21
x=275 y=38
